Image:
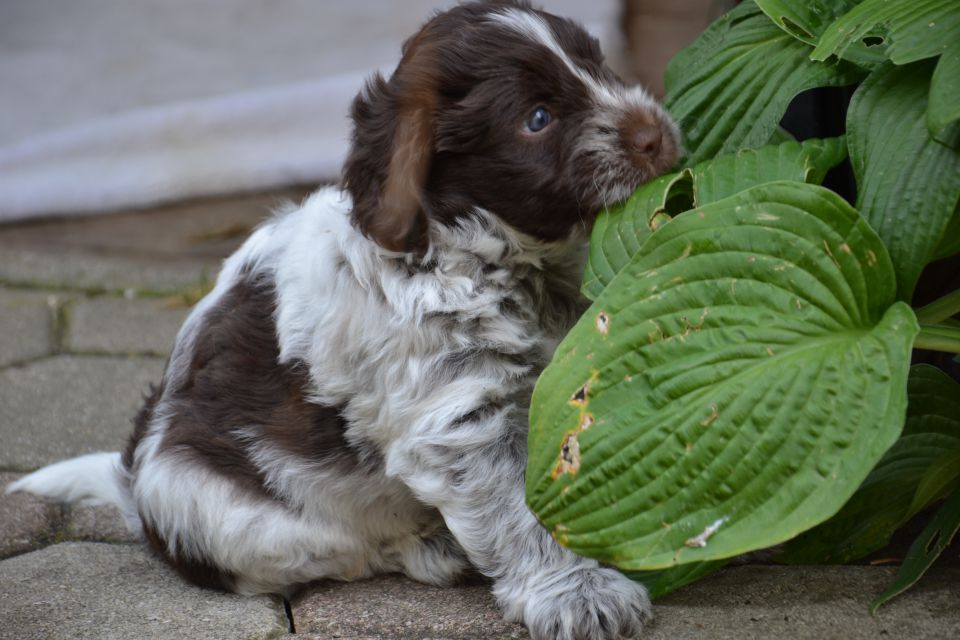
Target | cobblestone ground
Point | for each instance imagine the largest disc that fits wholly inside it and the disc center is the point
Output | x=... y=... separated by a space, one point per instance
x=88 y=311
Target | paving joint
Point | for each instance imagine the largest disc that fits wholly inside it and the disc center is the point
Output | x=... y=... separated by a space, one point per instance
x=26 y=362
x=60 y=325
x=203 y=282
x=53 y=287
x=97 y=353
x=288 y=611
x=93 y=354
x=53 y=533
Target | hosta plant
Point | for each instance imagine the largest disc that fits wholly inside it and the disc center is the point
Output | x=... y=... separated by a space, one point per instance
x=743 y=377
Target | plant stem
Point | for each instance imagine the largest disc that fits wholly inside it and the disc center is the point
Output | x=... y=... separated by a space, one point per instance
x=940 y=309
x=938 y=337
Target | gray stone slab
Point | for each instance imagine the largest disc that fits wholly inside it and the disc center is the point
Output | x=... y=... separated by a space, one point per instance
x=742 y=603
x=162 y=249
x=26 y=325
x=209 y=228
x=72 y=269
x=739 y=603
x=26 y=522
x=119 y=325
x=101 y=523
x=395 y=607
x=69 y=405
x=105 y=591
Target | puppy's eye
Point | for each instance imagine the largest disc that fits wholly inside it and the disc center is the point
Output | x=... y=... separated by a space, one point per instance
x=539 y=119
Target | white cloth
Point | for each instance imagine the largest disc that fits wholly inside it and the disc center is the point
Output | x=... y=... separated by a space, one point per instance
x=116 y=103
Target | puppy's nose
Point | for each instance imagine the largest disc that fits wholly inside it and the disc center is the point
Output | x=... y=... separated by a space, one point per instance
x=645 y=140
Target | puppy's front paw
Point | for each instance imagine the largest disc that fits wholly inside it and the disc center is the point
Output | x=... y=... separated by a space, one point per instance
x=583 y=604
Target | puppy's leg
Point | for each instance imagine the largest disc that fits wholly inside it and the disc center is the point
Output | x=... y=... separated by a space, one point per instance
x=474 y=474
x=433 y=559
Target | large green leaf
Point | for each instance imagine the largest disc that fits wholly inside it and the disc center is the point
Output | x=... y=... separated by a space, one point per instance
x=936 y=537
x=806 y=161
x=944 y=108
x=730 y=388
x=618 y=233
x=920 y=468
x=730 y=88
x=781 y=135
x=911 y=29
x=950 y=241
x=908 y=183
x=807 y=20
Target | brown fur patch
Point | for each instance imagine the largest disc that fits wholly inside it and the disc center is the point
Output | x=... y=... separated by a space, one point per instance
x=196 y=571
x=237 y=384
x=236 y=393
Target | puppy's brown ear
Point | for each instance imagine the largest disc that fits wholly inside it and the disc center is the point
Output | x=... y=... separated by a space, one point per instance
x=392 y=148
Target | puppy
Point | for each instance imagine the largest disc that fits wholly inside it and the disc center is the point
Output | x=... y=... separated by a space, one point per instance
x=351 y=398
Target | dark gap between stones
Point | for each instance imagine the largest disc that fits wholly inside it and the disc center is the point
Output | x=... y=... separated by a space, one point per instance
x=287 y=609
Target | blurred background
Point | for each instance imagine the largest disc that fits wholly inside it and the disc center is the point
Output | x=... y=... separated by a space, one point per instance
x=110 y=105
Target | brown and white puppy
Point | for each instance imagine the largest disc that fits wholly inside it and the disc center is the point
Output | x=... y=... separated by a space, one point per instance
x=351 y=397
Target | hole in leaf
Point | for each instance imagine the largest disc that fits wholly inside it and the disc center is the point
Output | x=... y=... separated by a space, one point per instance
x=873 y=41
x=679 y=196
x=796 y=30
x=569 y=457
x=586 y=422
x=603 y=323
x=580 y=397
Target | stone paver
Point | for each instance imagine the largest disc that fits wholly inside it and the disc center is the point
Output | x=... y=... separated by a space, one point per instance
x=739 y=603
x=79 y=270
x=105 y=591
x=26 y=522
x=815 y=603
x=101 y=523
x=68 y=405
x=27 y=325
x=118 y=325
x=206 y=229
x=160 y=250
x=395 y=607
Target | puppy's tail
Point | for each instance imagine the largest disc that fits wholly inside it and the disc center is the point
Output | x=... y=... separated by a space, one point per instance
x=89 y=479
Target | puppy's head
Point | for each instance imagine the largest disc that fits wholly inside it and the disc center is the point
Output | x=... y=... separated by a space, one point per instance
x=498 y=106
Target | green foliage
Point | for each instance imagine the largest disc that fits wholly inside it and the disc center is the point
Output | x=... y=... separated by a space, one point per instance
x=663 y=581
x=807 y=21
x=741 y=379
x=764 y=323
x=908 y=203
x=617 y=237
x=950 y=241
x=944 y=109
x=907 y=30
x=729 y=89
x=925 y=549
x=922 y=467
